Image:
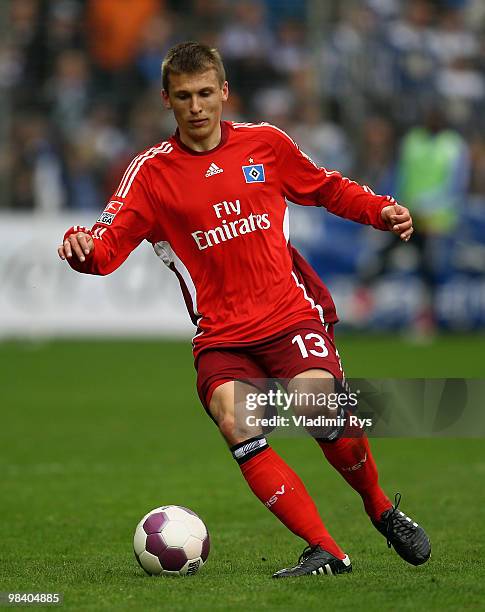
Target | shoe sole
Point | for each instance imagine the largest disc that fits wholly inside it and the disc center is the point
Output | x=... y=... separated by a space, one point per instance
x=326 y=570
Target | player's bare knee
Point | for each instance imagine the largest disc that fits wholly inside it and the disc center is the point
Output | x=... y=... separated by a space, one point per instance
x=237 y=429
x=315 y=398
x=313 y=392
x=222 y=401
x=222 y=409
x=227 y=428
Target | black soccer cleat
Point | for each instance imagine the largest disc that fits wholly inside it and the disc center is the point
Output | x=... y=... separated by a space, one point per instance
x=315 y=561
x=407 y=537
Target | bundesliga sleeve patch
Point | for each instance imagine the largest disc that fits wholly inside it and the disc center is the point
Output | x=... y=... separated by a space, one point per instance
x=110 y=212
x=254 y=173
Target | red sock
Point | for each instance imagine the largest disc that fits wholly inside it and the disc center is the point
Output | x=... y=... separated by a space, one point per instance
x=352 y=458
x=282 y=491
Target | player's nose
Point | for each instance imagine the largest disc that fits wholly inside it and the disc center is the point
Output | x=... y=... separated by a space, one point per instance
x=195 y=106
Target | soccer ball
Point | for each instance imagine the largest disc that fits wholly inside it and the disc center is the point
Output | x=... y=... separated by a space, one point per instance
x=171 y=540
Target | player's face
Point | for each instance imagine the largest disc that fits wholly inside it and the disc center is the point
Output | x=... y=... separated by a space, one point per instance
x=196 y=101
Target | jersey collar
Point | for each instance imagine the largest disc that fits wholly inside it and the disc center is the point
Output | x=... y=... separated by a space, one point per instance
x=224 y=137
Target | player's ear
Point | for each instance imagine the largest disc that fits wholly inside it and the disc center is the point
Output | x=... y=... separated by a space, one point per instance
x=225 y=91
x=165 y=99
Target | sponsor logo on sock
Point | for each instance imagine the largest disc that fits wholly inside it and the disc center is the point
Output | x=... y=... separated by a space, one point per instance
x=357 y=466
x=213 y=169
x=274 y=498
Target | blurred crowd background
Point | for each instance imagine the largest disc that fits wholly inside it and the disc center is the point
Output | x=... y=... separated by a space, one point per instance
x=389 y=92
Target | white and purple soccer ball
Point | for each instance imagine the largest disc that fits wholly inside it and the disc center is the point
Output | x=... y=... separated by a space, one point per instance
x=171 y=540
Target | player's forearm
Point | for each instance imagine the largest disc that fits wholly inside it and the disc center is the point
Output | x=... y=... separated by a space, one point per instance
x=349 y=200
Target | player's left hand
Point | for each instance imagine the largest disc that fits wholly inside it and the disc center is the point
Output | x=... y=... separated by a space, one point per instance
x=398 y=220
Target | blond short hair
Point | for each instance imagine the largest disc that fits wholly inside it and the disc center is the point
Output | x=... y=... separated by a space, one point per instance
x=191 y=58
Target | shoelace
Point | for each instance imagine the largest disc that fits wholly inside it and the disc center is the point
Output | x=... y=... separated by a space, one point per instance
x=306 y=553
x=401 y=526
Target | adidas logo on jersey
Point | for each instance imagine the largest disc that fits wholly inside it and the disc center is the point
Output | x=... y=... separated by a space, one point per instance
x=213 y=169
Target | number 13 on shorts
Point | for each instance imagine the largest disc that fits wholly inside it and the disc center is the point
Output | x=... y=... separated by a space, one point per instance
x=311 y=344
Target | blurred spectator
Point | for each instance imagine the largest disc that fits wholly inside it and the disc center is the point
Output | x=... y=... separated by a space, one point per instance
x=63 y=27
x=477 y=181
x=246 y=36
x=36 y=166
x=82 y=186
x=433 y=177
x=376 y=167
x=323 y=140
x=279 y=10
x=157 y=38
x=25 y=65
x=246 y=43
x=289 y=53
x=462 y=87
x=94 y=154
x=68 y=91
x=23 y=20
x=234 y=108
x=146 y=121
x=451 y=39
x=205 y=19
x=376 y=163
x=459 y=80
x=353 y=67
x=115 y=29
x=414 y=62
x=433 y=173
x=275 y=104
x=385 y=9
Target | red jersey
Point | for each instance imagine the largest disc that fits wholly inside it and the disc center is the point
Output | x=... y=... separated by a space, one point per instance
x=219 y=220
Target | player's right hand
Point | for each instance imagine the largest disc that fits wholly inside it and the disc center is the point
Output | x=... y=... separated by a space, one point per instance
x=398 y=220
x=78 y=244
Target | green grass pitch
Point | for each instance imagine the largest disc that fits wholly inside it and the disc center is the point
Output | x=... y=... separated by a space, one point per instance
x=95 y=434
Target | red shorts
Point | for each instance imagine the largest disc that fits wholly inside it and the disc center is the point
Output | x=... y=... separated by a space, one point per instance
x=301 y=347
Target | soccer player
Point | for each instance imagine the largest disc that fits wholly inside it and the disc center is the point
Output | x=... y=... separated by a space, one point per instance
x=212 y=202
